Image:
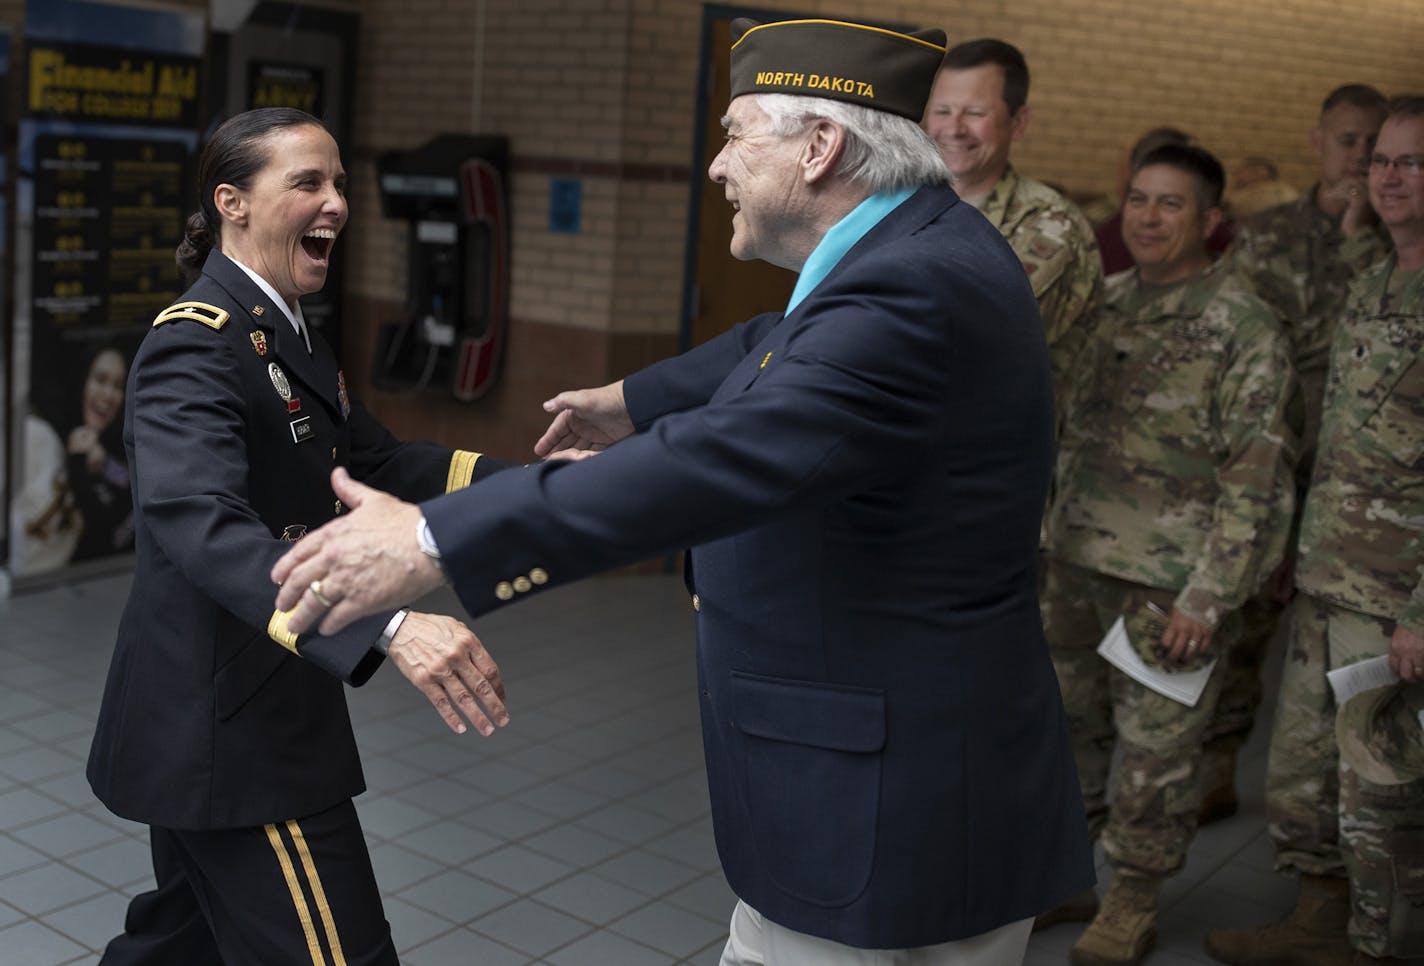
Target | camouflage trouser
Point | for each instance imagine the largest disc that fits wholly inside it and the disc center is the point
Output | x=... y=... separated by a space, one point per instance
x=1324 y=818
x=1153 y=816
x=1241 y=685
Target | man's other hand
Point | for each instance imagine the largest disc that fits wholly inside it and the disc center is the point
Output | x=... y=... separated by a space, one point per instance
x=586 y=419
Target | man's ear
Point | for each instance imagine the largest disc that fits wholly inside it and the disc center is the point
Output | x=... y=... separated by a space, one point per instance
x=231 y=204
x=822 y=151
x=1211 y=220
x=1018 y=124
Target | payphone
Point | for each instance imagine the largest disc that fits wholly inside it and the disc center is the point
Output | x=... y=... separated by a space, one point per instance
x=453 y=192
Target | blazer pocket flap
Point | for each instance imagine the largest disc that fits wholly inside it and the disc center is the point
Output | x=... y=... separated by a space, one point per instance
x=829 y=716
x=243 y=676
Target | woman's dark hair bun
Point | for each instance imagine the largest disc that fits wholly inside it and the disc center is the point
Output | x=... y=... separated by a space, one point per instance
x=193 y=250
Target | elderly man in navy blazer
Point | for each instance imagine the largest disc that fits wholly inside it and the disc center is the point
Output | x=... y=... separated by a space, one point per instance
x=861 y=477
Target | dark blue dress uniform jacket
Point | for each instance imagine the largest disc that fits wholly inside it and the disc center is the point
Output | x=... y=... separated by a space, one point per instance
x=214 y=716
x=863 y=480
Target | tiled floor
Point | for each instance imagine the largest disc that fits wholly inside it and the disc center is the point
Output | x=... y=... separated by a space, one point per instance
x=577 y=836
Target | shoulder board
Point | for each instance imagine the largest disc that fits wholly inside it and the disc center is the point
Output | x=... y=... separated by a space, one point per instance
x=210 y=315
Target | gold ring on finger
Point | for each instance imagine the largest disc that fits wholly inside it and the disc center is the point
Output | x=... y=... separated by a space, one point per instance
x=315 y=588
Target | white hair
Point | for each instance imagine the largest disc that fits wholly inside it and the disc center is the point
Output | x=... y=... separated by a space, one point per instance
x=883 y=151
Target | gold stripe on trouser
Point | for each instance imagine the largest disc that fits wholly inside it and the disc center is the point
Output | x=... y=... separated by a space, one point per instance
x=299 y=901
x=322 y=906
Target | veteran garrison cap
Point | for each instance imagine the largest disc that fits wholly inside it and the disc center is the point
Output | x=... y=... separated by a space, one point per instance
x=1380 y=733
x=848 y=62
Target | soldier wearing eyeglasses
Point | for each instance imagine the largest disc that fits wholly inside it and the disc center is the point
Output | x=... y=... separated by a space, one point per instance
x=1300 y=258
x=1355 y=843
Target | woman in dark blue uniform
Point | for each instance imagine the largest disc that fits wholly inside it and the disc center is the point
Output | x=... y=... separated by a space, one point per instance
x=220 y=728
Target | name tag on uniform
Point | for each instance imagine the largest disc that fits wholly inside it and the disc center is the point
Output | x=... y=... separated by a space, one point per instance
x=302 y=430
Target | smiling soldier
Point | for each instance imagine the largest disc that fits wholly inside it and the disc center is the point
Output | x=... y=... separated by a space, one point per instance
x=1173 y=501
x=222 y=729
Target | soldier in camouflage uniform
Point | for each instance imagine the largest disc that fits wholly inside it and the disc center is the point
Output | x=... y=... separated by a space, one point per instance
x=977 y=108
x=1300 y=257
x=1174 y=477
x=1360 y=571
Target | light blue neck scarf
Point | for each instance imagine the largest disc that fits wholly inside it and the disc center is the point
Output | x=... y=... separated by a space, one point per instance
x=841 y=238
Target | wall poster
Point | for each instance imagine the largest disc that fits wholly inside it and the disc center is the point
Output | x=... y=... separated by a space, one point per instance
x=110 y=124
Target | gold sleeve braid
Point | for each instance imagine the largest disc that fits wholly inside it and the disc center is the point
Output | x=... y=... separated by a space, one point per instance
x=462 y=470
x=277 y=630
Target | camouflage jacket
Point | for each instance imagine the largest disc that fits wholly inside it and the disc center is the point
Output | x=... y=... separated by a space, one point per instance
x=1060 y=253
x=1362 y=538
x=1301 y=264
x=1174 y=469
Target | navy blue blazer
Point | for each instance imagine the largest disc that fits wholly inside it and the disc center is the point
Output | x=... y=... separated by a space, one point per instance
x=214 y=715
x=863 y=481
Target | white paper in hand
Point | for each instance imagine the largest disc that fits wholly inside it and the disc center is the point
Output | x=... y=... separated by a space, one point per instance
x=1351 y=679
x=1184 y=687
